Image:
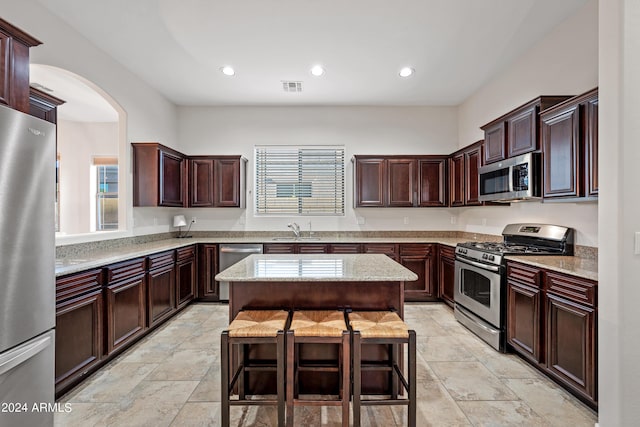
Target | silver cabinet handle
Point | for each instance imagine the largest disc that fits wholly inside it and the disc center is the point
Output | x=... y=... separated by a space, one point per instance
x=479 y=264
x=16 y=357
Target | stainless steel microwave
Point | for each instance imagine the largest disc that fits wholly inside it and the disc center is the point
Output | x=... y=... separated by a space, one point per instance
x=516 y=178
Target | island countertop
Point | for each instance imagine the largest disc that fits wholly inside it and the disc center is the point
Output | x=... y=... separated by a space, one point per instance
x=317 y=268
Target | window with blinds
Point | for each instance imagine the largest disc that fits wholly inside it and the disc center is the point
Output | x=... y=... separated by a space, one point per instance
x=299 y=180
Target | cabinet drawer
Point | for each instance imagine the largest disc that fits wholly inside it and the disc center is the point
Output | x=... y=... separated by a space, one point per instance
x=312 y=248
x=419 y=249
x=381 y=248
x=447 y=252
x=524 y=274
x=345 y=248
x=76 y=284
x=126 y=269
x=279 y=248
x=161 y=259
x=183 y=254
x=579 y=290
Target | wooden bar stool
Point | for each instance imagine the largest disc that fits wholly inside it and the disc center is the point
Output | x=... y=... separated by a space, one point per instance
x=318 y=327
x=253 y=327
x=383 y=327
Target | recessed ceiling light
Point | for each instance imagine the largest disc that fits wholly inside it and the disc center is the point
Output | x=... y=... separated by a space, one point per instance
x=228 y=71
x=406 y=72
x=317 y=70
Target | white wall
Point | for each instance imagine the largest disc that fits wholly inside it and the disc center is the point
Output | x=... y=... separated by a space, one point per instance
x=565 y=62
x=149 y=116
x=619 y=213
x=362 y=130
x=78 y=144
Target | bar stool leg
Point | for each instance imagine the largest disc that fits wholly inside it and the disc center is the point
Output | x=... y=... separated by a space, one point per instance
x=290 y=343
x=280 y=362
x=346 y=377
x=224 y=390
x=357 y=379
x=411 y=416
x=393 y=355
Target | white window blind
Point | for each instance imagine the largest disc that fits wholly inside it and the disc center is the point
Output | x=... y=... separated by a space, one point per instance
x=299 y=180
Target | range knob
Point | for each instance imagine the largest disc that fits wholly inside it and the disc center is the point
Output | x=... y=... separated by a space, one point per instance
x=492 y=258
x=485 y=256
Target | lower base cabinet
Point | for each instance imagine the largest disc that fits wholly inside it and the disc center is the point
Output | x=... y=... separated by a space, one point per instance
x=524 y=322
x=126 y=311
x=161 y=288
x=421 y=259
x=446 y=273
x=208 y=289
x=185 y=276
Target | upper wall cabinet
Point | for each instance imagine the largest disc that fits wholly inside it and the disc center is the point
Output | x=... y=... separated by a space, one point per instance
x=399 y=181
x=516 y=132
x=159 y=175
x=463 y=175
x=217 y=181
x=570 y=148
x=44 y=105
x=14 y=66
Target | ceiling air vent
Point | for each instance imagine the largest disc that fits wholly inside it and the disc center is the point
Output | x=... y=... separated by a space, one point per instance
x=291 y=86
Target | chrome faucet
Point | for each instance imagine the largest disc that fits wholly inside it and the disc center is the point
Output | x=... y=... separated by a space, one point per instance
x=295 y=228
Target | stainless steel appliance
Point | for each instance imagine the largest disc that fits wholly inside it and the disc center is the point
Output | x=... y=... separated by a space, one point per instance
x=517 y=178
x=480 y=275
x=27 y=269
x=231 y=254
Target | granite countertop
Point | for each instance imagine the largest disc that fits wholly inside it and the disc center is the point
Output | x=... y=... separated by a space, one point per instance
x=583 y=267
x=317 y=268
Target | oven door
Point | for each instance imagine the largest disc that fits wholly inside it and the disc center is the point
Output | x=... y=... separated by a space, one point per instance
x=478 y=289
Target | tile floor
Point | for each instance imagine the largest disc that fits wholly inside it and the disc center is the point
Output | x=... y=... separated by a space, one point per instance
x=171 y=378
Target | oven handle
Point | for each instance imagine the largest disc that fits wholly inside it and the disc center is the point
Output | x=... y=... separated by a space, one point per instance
x=480 y=265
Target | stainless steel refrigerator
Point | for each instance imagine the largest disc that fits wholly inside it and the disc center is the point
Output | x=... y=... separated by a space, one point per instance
x=27 y=269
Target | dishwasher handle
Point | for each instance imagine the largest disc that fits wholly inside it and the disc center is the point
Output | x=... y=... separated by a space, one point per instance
x=240 y=251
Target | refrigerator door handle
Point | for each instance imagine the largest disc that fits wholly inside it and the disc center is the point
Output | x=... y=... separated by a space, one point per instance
x=15 y=357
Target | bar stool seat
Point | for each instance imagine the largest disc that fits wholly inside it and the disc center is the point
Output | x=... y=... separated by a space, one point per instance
x=319 y=327
x=253 y=327
x=383 y=327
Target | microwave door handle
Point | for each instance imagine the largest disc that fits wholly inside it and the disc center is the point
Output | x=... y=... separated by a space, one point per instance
x=511 y=172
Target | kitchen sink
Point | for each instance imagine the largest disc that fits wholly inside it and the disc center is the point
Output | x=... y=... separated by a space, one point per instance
x=293 y=239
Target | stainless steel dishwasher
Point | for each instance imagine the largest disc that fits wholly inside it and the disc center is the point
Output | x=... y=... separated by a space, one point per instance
x=231 y=254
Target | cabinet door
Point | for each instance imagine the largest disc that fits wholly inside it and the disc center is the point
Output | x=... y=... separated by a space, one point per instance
x=126 y=311
x=456 y=180
x=524 y=320
x=208 y=288
x=571 y=344
x=446 y=273
x=591 y=150
x=401 y=182
x=172 y=169
x=472 y=163
x=432 y=182
x=370 y=184
x=226 y=189
x=185 y=276
x=560 y=148
x=201 y=182
x=5 y=68
x=522 y=132
x=495 y=143
x=162 y=292
x=79 y=338
x=421 y=260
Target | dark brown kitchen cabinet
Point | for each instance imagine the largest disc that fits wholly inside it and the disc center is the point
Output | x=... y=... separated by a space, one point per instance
x=217 y=181
x=463 y=175
x=79 y=327
x=161 y=287
x=369 y=183
x=571 y=333
x=14 y=66
x=432 y=181
x=185 y=275
x=446 y=273
x=44 y=105
x=495 y=142
x=279 y=248
x=312 y=248
x=208 y=288
x=516 y=132
x=524 y=311
x=126 y=303
x=570 y=148
x=345 y=248
x=421 y=259
x=388 y=249
x=401 y=182
x=159 y=175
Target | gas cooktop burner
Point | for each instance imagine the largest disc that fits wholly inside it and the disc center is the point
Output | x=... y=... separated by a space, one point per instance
x=505 y=248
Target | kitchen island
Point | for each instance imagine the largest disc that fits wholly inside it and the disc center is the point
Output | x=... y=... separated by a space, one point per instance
x=316 y=282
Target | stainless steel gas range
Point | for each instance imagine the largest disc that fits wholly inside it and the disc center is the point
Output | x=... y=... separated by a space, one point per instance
x=480 y=275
